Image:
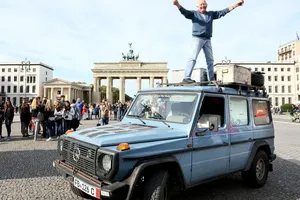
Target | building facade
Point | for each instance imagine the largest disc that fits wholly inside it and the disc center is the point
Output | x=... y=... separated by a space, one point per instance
x=129 y=68
x=55 y=88
x=20 y=81
x=289 y=52
x=281 y=79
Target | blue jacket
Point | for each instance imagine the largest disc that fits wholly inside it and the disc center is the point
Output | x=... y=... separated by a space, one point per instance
x=203 y=27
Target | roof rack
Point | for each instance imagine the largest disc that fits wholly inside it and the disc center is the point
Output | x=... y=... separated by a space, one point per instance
x=219 y=84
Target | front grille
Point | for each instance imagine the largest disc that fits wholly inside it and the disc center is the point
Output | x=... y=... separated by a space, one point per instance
x=86 y=161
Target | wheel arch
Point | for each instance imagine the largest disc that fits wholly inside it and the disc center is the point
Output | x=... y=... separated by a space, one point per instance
x=145 y=167
x=257 y=146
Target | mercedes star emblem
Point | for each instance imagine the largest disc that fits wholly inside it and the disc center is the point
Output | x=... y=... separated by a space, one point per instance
x=76 y=154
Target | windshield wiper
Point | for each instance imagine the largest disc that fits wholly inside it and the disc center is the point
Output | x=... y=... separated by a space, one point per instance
x=138 y=117
x=158 y=116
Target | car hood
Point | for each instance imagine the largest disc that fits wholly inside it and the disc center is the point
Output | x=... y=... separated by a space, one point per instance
x=110 y=135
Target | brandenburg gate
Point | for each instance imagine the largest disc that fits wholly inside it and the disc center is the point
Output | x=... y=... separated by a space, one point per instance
x=129 y=68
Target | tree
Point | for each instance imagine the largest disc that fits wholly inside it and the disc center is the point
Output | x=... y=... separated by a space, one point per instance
x=115 y=95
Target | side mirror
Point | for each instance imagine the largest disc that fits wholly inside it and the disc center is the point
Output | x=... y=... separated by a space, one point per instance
x=213 y=124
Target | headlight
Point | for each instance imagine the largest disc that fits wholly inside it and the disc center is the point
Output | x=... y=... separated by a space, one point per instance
x=106 y=162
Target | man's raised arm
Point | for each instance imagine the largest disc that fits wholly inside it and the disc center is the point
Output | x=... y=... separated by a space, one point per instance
x=239 y=3
x=222 y=13
x=188 y=14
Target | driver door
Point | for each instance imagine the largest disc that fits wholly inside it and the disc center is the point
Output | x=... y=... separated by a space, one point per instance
x=210 y=157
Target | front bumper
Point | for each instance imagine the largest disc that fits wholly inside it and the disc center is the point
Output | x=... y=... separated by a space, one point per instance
x=117 y=190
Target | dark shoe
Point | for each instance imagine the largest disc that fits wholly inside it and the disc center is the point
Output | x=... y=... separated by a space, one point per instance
x=187 y=81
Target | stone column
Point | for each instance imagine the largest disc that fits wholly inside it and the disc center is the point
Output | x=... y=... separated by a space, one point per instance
x=51 y=94
x=151 y=82
x=61 y=91
x=165 y=80
x=69 y=94
x=138 y=83
x=122 y=90
x=108 y=89
x=95 y=84
x=90 y=96
x=45 y=92
x=100 y=99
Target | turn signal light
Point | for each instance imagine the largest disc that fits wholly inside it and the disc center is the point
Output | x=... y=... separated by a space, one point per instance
x=69 y=131
x=123 y=146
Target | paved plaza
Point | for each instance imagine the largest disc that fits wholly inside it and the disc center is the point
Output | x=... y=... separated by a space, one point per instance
x=27 y=172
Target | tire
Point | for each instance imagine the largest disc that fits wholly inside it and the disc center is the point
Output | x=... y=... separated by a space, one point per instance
x=157 y=187
x=79 y=193
x=257 y=175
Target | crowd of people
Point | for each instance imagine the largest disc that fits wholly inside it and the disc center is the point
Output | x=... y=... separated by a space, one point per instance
x=52 y=119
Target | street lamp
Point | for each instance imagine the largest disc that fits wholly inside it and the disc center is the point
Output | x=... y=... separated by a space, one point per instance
x=25 y=67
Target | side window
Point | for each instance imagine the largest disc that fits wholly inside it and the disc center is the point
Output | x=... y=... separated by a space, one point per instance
x=211 y=107
x=261 y=112
x=238 y=111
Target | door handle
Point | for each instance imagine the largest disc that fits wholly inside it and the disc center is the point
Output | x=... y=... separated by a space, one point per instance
x=200 y=133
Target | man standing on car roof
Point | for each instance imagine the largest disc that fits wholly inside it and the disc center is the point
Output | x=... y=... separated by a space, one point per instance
x=202 y=32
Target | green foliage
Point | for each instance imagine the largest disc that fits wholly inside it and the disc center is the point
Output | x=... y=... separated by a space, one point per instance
x=115 y=95
x=286 y=107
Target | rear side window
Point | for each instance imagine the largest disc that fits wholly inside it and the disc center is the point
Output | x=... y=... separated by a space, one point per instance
x=261 y=112
x=238 y=111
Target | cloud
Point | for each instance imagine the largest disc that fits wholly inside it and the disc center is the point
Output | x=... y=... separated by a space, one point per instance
x=71 y=35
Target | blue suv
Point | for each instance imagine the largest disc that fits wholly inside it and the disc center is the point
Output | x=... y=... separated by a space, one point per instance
x=172 y=138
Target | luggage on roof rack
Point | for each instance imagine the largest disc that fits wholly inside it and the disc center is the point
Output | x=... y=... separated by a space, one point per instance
x=231 y=73
x=257 y=78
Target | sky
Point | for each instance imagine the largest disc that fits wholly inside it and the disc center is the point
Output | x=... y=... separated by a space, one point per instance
x=71 y=35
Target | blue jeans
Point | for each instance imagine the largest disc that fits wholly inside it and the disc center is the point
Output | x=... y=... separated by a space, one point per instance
x=50 y=128
x=104 y=121
x=198 y=44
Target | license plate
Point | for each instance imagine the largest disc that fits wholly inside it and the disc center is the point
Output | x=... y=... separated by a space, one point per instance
x=93 y=191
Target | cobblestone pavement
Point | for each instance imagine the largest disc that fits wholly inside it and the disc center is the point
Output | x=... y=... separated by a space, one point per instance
x=27 y=172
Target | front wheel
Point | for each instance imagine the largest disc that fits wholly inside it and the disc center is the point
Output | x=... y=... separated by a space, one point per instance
x=157 y=186
x=257 y=176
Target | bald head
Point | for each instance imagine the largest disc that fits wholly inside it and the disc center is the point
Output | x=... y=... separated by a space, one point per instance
x=202 y=5
x=201 y=1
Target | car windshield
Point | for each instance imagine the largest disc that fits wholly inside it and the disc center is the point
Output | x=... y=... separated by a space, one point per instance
x=178 y=108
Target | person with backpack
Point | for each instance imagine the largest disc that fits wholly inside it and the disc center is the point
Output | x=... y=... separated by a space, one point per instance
x=76 y=117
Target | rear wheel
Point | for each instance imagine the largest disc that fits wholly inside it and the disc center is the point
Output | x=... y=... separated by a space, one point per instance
x=157 y=186
x=257 y=175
